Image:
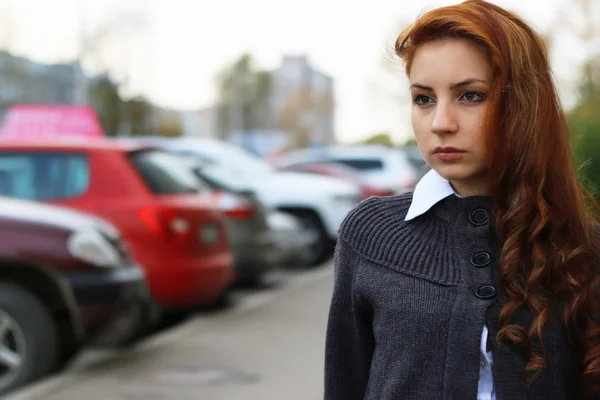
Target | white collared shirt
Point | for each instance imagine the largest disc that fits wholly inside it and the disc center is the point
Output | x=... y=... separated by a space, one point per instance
x=430 y=190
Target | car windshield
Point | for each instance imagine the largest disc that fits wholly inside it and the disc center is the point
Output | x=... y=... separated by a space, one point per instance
x=247 y=163
x=164 y=173
x=223 y=178
x=227 y=156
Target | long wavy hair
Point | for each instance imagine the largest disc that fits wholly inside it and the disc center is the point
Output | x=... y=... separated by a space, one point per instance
x=544 y=218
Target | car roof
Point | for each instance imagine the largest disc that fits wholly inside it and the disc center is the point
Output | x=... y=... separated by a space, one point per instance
x=205 y=142
x=341 y=151
x=364 y=151
x=72 y=144
x=209 y=147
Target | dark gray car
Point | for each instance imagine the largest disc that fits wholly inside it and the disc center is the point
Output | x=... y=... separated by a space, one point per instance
x=251 y=239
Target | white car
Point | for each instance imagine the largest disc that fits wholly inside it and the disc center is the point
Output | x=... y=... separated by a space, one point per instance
x=320 y=202
x=381 y=167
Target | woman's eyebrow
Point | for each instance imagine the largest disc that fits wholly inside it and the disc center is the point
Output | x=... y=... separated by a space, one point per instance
x=466 y=82
x=451 y=86
x=421 y=86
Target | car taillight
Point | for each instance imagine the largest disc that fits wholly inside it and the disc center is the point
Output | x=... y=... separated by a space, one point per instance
x=165 y=223
x=234 y=206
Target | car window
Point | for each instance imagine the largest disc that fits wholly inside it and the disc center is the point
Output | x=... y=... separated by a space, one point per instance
x=192 y=154
x=43 y=176
x=230 y=157
x=220 y=178
x=361 y=164
x=164 y=173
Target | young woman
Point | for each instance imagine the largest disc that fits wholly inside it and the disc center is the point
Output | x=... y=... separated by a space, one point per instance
x=484 y=282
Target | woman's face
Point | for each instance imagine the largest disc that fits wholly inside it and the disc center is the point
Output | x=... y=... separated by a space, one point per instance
x=450 y=81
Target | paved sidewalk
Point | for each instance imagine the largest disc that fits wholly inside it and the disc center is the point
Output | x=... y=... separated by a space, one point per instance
x=270 y=347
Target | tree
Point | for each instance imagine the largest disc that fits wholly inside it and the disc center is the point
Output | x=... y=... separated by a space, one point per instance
x=382 y=138
x=169 y=126
x=95 y=42
x=584 y=119
x=584 y=123
x=411 y=143
x=243 y=96
x=301 y=113
x=104 y=97
x=137 y=113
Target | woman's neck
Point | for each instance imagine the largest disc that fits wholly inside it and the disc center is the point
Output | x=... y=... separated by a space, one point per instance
x=470 y=188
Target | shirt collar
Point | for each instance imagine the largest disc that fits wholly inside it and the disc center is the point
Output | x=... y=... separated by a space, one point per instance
x=430 y=190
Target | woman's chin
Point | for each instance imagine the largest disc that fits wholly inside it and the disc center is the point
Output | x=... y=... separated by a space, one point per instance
x=452 y=172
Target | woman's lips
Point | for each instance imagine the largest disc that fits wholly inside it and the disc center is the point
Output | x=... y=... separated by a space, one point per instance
x=448 y=153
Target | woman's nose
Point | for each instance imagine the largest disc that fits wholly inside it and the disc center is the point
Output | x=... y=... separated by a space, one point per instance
x=444 y=120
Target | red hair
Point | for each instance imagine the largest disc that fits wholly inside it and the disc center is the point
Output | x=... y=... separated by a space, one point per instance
x=543 y=215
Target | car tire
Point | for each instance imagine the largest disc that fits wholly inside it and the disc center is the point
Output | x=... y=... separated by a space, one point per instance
x=221 y=303
x=322 y=249
x=251 y=280
x=150 y=318
x=31 y=325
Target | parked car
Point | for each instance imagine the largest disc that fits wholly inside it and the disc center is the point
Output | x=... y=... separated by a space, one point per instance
x=66 y=280
x=340 y=171
x=320 y=202
x=251 y=239
x=173 y=229
x=381 y=167
x=415 y=157
x=292 y=241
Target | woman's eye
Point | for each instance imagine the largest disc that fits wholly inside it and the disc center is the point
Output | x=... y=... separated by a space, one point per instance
x=422 y=100
x=472 y=97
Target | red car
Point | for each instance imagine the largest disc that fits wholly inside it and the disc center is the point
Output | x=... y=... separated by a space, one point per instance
x=174 y=231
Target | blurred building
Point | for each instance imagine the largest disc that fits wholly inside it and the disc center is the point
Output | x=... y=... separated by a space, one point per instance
x=302 y=97
x=299 y=103
x=26 y=81
x=201 y=122
x=263 y=143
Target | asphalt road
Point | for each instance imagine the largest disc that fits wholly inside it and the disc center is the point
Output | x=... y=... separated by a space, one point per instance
x=268 y=346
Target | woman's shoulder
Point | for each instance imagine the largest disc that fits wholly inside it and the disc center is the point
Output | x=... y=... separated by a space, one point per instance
x=375 y=216
x=376 y=231
x=373 y=212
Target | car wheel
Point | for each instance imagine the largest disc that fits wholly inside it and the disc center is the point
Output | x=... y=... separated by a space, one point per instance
x=222 y=302
x=150 y=318
x=29 y=346
x=253 y=278
x=322 y=247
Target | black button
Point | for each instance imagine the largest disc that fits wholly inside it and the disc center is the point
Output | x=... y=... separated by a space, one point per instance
x=481 y=259
x=479 y=217
x=485 y=292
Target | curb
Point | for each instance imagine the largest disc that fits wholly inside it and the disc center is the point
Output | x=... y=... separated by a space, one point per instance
x=56 y=383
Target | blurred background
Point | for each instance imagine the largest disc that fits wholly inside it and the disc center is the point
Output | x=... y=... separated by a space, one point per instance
x=173 y=175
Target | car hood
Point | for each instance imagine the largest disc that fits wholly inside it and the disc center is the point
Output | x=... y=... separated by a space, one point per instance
x=34 y=213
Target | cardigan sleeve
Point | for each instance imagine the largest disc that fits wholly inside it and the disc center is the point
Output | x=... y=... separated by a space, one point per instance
x=349 y=340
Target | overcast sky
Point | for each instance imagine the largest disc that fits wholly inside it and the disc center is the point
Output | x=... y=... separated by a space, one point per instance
x=174 y=57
